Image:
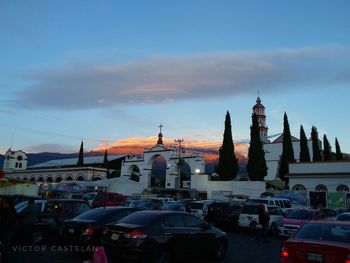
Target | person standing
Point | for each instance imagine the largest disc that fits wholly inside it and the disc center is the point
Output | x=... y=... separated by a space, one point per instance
x=264 y=220
x=30 y=218
x=8 y=218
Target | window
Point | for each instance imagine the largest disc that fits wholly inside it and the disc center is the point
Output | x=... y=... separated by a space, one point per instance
x=82 y=207
x=275 y=211
x=174 y=221
x=342 y=188
x=192 y=221
x=16 y=165
x=299 y=188
x=321 y=187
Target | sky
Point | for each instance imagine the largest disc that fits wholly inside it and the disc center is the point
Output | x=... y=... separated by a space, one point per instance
x=108 y=73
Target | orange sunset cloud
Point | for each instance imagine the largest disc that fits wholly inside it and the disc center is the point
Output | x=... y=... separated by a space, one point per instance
x=136 y=145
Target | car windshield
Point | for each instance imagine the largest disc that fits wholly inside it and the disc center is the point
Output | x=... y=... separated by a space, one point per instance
x=197 y=205
x=299 y=214
x=94 y=214
x=325 y=232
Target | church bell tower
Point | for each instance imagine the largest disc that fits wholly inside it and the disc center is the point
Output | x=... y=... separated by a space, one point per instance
x=259 y=110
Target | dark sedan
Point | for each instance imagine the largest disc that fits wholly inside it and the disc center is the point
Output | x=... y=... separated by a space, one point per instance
x=161 y=236
x=86 y=227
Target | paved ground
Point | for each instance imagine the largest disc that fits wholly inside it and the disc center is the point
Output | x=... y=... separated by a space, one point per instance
x=243 y=249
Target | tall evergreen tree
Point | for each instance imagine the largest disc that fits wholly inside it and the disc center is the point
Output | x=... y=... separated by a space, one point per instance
x=287 y=151
x=327 y=155
x=105 y=160
x=338 y=153
x=304 y=148
x=81 y=155
x=316 y=152
x=227 y=167
x=256 y=165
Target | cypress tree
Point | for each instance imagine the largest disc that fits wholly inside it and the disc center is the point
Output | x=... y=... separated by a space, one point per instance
x=304 y=148
x=327 y=155
x=316 y=152
x=287 y=151
x=338 y=153
x=256 y=165
x=228 y=166
x=81 y=155
x=105 y=160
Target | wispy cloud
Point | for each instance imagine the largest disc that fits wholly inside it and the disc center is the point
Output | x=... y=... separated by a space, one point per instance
x=169 y=79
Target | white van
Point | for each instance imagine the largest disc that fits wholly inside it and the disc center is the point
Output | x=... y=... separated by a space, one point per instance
x=283 y=203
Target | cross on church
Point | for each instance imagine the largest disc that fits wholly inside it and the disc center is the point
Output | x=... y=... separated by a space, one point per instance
x=160 y=128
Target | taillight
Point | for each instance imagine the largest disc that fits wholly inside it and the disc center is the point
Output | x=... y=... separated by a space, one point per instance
x=347 y=260
x=89 y=231
x=136 y=234
x=284 y=252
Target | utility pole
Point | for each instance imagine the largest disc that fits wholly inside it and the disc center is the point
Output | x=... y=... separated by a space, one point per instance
x=179 y=142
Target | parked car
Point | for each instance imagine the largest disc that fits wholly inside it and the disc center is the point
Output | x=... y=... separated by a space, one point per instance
x=97 y=199
x=294 y=218
x=57 y=211
x=318 y=241
x=86 y=227
x=249 y=218
x=39 y=202
x=283 y=203
x=159 y=236
x=341 y=210
x=344 y=217
x=200 y=207
x=330 y=213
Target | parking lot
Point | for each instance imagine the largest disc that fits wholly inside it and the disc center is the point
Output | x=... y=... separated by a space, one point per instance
x=243 y=248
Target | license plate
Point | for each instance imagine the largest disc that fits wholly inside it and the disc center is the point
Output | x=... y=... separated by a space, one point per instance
x=315 y=257
x=114 y=236
x=71 y=230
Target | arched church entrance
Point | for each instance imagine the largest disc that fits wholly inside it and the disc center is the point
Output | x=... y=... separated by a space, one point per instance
x=158 y=171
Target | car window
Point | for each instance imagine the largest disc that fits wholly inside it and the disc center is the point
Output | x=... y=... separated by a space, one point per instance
x=299 y=214
x=250 y=209
x=286 y=204
x=343 y=217
x=192 y=221
x=174 y=221
x=198 y=206
x=68 y=208
x=82 y=207
x=117 y=216
x=99 y=198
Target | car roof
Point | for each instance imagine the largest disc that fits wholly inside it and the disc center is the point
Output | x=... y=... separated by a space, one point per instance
x=66 y=200
x=329 y=222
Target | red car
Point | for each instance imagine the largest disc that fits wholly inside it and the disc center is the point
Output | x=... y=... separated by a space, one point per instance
x=318 y=241
x=294 y=218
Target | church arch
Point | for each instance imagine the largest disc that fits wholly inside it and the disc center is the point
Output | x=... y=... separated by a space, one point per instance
x=342 y=188
x=49 y=179
x=58 y=179
x=96 y=178
x=321 y=188
x=69 y=178
x=80 y=178
x=134 y=172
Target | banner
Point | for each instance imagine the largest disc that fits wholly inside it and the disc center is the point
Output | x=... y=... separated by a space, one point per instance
x=336 y=199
